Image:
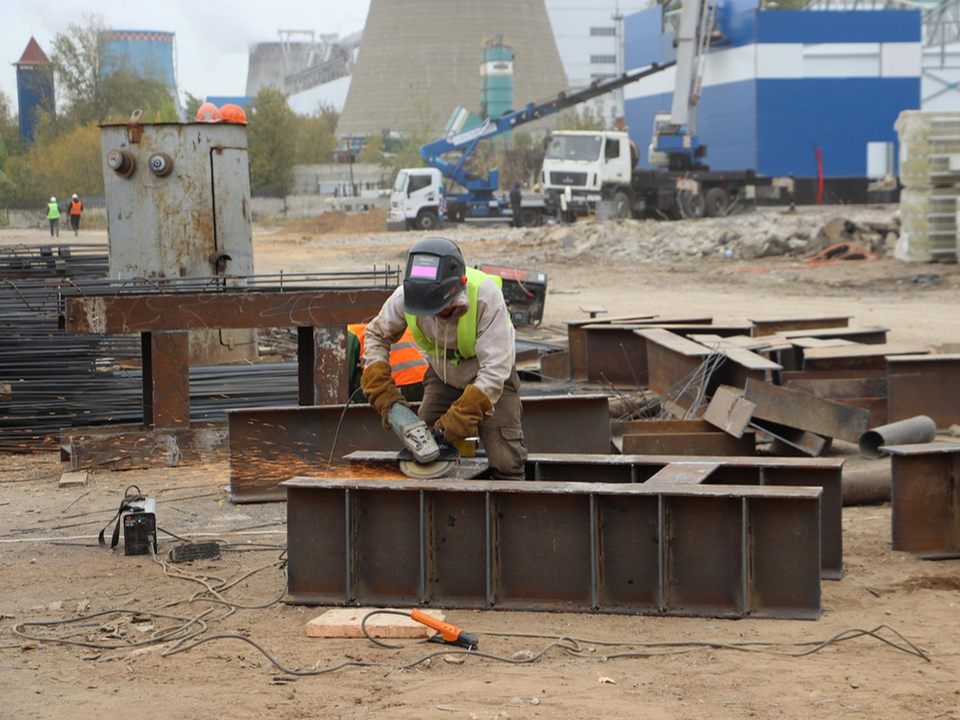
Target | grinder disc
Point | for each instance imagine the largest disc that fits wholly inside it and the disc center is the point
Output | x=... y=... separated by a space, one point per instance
x=435 y=469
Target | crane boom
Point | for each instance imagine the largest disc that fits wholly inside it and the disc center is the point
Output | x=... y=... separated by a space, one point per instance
x=467 y=140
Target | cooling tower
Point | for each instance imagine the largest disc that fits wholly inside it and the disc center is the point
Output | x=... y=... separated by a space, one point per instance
x=418 y=61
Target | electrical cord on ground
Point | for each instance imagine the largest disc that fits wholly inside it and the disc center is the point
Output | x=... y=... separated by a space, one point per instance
x=336 y=434
x=188 y=632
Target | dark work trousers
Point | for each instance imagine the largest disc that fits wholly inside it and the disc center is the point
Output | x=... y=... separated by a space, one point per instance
x=55 y=227
x=501 y=434
x=517 y=216
x=75 y=224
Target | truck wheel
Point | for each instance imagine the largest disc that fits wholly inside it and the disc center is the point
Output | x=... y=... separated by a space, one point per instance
x=529 y=217
x=717 y=202
x=427 y=220
x=621 y=204
x=692 y=206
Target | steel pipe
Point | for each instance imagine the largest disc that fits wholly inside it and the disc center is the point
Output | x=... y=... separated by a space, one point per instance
x=919 y=429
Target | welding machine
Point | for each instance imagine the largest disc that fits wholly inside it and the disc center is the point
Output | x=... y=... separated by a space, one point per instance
x=138 y=514
x=524 y=291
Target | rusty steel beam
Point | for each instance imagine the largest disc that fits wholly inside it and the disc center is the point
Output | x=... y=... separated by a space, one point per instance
x=803 y=411
x=713 y=442
x=924 y=385
x=183 y=311
x=868 y=335
x=926 y=499
x=555 y=365
x=321 y=365
x=772 y=326
x=586 y=547
x=166 y=379
x=631 y=469
x=858 y=357
x=577 y=337
x=270 y=445
x=823 y=473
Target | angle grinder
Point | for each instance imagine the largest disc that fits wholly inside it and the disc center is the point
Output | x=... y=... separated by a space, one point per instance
x=425 y=455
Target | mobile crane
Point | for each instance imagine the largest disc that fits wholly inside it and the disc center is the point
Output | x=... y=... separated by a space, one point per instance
x=589 y=167
x=415 y=199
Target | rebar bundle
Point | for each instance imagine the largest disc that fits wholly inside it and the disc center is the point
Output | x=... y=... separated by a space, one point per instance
x=59 y=380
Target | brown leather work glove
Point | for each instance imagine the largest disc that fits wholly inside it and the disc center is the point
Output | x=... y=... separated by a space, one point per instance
x=380 y=389
x=461 y=420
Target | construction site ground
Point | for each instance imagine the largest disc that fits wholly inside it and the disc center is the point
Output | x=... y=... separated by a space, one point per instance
x=226 y=678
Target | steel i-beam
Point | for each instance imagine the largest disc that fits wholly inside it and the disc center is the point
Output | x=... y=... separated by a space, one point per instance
x=589 y=547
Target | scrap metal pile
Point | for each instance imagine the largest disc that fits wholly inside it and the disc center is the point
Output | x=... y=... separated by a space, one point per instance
x=692 y=502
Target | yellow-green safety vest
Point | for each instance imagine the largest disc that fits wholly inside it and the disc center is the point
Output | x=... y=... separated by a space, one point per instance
x=466 y=325
x=53 y=212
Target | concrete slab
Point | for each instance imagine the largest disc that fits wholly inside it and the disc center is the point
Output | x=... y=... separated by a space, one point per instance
x=345 y=623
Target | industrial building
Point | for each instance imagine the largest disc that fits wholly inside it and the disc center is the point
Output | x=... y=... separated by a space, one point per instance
x=418 y=60
x=780 y=83
x=314 y=72
x=150 y=53
x=590 y=40
x=34 y=87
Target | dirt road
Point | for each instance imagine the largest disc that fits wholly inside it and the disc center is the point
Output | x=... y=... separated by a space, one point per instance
x=859 y=678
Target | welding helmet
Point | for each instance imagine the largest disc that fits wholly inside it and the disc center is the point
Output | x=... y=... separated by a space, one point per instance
x=435 y=274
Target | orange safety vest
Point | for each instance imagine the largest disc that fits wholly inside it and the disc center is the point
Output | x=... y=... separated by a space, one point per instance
x=75 y=207
x=407 y=363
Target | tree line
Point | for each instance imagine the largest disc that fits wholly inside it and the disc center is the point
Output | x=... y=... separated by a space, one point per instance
x=94 y=86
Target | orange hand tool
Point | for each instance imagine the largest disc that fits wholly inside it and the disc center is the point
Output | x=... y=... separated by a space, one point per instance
x=449 y=634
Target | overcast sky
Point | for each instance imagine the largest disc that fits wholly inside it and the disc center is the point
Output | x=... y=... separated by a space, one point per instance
x=212 y=35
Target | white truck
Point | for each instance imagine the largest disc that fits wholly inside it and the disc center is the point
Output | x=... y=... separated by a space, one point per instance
x=601 y=166
x=415 y=204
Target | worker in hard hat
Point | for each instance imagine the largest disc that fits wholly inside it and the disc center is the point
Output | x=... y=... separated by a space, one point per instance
x=76 y=207
x=458 y=317
x=407 y=362
x=53 y=215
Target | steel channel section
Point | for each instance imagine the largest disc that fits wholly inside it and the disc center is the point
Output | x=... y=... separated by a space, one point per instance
x=825 y=474
x=584 y=547
x=270 y=445
x=925 y=496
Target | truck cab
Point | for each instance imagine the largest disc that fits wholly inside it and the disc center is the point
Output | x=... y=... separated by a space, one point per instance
x=415 y=199
x=590 y=163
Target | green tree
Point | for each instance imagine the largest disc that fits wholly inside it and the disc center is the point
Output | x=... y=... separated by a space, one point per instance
x=271 y=141
x=191 y=106
x=98 y=85
x=10 y=144
x=317 y=136
x=586 y=119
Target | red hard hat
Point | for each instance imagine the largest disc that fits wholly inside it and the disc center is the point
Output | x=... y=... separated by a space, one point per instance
x=233 y=114
x=208 y=113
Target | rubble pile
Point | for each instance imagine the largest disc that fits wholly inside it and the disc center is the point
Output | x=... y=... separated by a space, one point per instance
x=742 y=237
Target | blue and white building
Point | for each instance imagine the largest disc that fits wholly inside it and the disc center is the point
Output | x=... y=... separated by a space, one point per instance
x=781 y=83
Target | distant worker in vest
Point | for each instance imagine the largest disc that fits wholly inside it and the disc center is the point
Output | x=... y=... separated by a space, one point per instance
x=458 y=317
x=407 y=363
x=516 y=202
x=76 y=207
x=53 y=215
